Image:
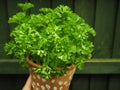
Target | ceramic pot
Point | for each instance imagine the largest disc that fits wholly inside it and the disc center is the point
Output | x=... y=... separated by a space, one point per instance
x=60 y=83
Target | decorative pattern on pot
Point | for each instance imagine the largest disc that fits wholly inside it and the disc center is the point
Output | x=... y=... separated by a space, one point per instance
x=60 y=83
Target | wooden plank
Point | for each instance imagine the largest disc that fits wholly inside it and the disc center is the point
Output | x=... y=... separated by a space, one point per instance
x=80 y=82
x=40 y=4
x=101 y=66
x=56 y=3
x=116 y=49
x=114 y=82
x=104 y=26
x=7 y=82
x=20 y=81
x=98 y=82
x=95 y=66
x=14 y=67
x=12 y=82
x=86 y=9
x=4 y=29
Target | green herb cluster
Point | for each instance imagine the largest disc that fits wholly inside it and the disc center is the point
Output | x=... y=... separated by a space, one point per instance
x=53 y=38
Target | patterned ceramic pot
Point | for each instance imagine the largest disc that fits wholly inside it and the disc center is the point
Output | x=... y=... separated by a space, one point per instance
x=60 y=83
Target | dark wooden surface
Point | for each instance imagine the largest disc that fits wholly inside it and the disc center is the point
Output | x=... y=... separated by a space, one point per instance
x=100 y=73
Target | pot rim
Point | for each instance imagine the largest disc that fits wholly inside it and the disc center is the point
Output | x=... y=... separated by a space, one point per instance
x=32 y=64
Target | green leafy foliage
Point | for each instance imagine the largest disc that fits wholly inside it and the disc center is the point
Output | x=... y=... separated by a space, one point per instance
x=53 y=38
x=25 y=6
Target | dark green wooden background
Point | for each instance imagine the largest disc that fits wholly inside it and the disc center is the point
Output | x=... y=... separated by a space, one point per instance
x=100 y=73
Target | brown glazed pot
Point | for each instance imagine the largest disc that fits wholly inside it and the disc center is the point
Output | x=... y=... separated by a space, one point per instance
x=60 y=83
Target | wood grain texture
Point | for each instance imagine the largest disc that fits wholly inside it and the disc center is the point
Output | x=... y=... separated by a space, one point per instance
x=98 y=82
x=114 y=82
x=116 y=46
x=4 y=28
x=104 y=26
x=80 y=82
x=86 y=9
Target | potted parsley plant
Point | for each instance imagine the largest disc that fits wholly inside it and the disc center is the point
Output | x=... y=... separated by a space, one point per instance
x=53 y=42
